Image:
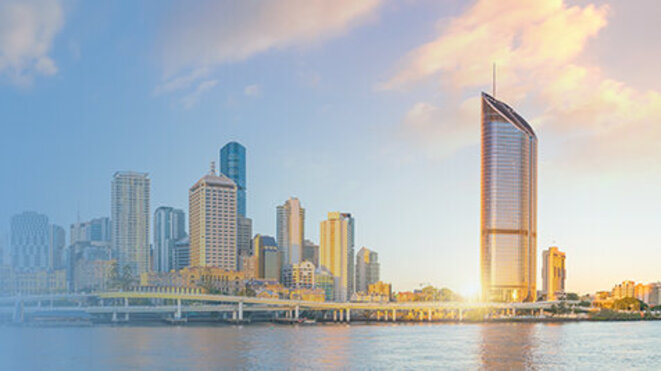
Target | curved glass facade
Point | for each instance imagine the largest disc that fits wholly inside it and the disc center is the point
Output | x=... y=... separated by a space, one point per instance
x=509 y=204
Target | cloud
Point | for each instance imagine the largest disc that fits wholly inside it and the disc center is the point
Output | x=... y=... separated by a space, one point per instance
x=209 y=33
x=193 y=98
x=252 y=90
x=425 y=123
x=27 y=31
x=181 y=82
x=538 y=46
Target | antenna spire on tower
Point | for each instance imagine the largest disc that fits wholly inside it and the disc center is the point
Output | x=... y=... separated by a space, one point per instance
x=493 y=90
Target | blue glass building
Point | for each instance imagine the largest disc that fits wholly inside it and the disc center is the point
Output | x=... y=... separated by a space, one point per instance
x=233 y=166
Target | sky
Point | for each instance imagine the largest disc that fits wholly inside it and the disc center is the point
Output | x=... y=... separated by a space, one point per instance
x=362 y=106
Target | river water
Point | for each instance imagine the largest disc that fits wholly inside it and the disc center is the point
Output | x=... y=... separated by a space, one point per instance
x=581 y=345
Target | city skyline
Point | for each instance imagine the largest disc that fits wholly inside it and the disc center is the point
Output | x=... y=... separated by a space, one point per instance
x=406 y=171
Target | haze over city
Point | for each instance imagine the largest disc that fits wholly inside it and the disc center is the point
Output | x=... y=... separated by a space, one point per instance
x=368 y=107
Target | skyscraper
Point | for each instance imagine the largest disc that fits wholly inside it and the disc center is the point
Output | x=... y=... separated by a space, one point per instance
x=291 y=230
x=56 y=244
x=311 y=252
x=94 y=230
x=212 y=218
x=130 y=220
x=509 y=204
x=30 y=241
x=169 y=227
x=268 y=257
x=182 y=253
x=233 y=166
x=336 y=252
x=367 y=269
x=243 y=237
x=553 y=273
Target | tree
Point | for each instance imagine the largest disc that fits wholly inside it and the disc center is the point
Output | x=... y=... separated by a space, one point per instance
x=572 y=296
x=628 y=303
x=127 y=277
x=114 y=276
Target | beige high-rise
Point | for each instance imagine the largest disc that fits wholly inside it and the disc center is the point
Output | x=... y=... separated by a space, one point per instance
x=336 y=252
x=553 y=273
x=212 y=217
x=291 y=231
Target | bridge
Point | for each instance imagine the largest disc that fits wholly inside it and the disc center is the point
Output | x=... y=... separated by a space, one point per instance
x=120 y=305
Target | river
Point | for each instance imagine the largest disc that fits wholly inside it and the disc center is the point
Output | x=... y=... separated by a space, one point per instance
x=578 y=345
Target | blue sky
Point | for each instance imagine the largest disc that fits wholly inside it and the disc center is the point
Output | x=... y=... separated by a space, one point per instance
x=359 y=106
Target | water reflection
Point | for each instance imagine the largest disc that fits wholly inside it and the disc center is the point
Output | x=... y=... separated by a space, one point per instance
x=507 y=346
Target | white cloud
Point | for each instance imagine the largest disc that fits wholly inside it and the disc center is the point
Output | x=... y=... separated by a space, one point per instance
x=193 y=98
x=252 y=90
x=213 y=32
x=425 y=123
x=181 y=82
x=27 y=31
x=538 y=46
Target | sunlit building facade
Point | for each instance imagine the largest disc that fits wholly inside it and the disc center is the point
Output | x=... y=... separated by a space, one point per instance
x=508 y=204
x=268 y=257
x=336 y=252
x=553 y=273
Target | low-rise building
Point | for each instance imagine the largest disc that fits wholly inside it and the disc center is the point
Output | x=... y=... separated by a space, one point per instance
x=210 y=279
x=299 y=275
x=324 y=280
x=307 y=294
x=92 y=275
x=39 y=282
x=382 y=289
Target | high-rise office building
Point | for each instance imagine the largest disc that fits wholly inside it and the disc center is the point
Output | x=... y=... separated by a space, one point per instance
x=267 y=254
x=56 y=247
x=212 y=219
x=509 y=205
x=553 y=273
x=94 y=230
x=169 y=227
x=233 y=166
x=130 y=220
x=243 y=237
x=336 y=252
x=30 y=241
x=311 y=252
x=367 y=269
x=291 y=230
x=182 y=253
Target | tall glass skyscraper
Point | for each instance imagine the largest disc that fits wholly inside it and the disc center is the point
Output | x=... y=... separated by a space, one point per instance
x=509 y=204
x=169 y=227
x=233 y=166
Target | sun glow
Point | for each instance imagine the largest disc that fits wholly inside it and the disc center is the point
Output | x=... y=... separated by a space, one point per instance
x=470 y=291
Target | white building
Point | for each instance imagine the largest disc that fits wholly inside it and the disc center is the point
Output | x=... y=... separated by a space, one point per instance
x=212 y=216
x=130 y=220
